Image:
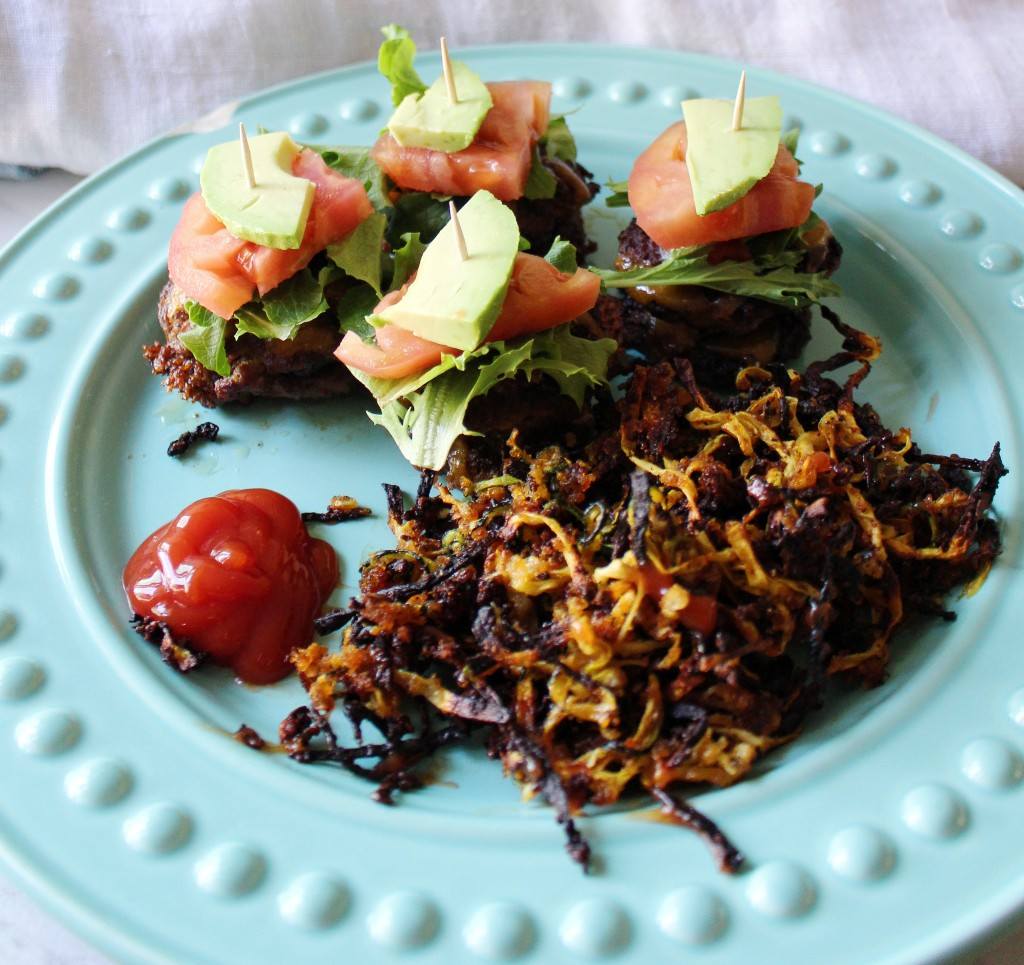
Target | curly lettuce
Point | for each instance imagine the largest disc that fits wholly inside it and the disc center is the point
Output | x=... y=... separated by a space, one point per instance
x=772 y=277
x=425 y=414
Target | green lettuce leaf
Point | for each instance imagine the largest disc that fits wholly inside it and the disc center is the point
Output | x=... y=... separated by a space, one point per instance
x=790 y=139
x=427 y=413
x=774 y=279
x=281 y=312
x=557 y=141
x=354 y=305
x=205 y=340
x=541 y=183
x=619 y=194
x=563 y=256
x=395 y=61
x=359 y=254
x=418 y=212
x=407 y=259
x=355 y=162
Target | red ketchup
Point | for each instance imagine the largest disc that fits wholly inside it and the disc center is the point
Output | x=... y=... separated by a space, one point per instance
x=238 y=577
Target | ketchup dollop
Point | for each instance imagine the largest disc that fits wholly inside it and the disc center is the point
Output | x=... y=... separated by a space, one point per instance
x=236 y=576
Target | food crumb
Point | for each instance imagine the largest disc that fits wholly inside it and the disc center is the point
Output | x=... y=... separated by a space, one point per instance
x=205 y=431
x=339 y=509
x=248 y=736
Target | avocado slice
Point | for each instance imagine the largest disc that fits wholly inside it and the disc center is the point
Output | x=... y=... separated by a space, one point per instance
x=724 y=164
x=455 y=301
x=432 y=121
x=275 y=211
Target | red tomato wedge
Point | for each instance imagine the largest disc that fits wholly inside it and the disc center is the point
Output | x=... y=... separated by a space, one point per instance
x=661 y=196
x=539 y=297
x=398 y=352
x=499 y=158
x=220 y=271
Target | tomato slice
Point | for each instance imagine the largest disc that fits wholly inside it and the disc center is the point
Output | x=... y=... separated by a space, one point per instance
x=220 y=271
x=661 y=196
x=499 y=158
x=539 y=297
x=397 y=353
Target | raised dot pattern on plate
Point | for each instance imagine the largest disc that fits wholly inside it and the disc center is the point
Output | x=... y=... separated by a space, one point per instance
x=919 y=194
x=1000 y=258
x=47 y=732
x=230 y=870
x=499 y=931
x=571 y=88
x=960 y=224
x=131 y=218
x=159 y=828
x=693 y=915
x=992 y=764
x=308 y=125
x=403 y=920
x=934 y=811
x=627 y=92
x=98 y=783
x=8 y=625
x=359 y=109
x=828 y=143
x=91 y=250
x=12 y=368
x=20 y=677
x=314 y=900
x=166 y=190
x=673 y=97
x=57 y=288
x=861 y=854
x=781 y=889
x=597 y=926
x=24 y=326
x=875 y=167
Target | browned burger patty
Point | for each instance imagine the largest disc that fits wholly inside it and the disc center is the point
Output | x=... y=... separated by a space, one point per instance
x=543 y=220
x=717 y=331
x=300 y=368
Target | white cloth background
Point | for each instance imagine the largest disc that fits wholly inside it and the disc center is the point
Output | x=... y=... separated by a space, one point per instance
x=83 y=81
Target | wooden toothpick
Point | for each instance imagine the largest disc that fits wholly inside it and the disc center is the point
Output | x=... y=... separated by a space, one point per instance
x=737 y=113
x=250 y=177
x=449 y=80
x=460 y=238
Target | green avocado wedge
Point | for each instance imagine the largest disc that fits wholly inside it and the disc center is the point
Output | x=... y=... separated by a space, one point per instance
x=274 y=211
x=433 y=120
x=455 y=301
x=724 y=164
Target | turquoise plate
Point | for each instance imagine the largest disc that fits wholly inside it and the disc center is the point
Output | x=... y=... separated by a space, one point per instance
x=891 y=831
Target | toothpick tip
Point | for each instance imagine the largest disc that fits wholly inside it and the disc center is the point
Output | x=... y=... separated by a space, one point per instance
x=446 y=68
x=737 y=114
x=460 y=238
x=250 y=177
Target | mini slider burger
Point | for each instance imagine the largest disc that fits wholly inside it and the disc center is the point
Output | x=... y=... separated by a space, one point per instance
x=479 y=319
x=724 y=257
x=460 y=135
x=257 y=263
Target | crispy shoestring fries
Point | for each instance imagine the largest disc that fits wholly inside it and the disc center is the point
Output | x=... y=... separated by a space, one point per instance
x=656 y=611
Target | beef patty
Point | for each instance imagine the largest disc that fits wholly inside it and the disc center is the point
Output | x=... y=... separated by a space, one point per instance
x=300 y=368
x=717 y=331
